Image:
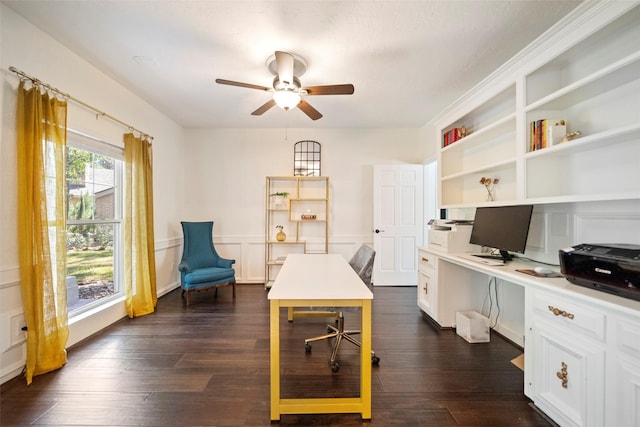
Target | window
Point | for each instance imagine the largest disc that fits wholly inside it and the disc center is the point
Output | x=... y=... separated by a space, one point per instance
x=94 y=222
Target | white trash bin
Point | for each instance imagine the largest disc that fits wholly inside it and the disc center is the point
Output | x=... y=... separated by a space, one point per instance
x=472 y=326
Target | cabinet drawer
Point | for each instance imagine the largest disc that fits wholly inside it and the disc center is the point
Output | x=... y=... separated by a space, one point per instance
x=583 y=319
x=427 y=261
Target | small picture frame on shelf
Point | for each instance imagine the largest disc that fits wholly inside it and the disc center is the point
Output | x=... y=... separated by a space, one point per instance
x=555 y=132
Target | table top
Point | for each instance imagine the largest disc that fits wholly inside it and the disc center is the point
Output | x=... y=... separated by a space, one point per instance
x=318 y=277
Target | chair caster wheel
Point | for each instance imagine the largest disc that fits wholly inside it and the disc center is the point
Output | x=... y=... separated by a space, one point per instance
x=375 y=360
x=307 y=348
x=335 y=367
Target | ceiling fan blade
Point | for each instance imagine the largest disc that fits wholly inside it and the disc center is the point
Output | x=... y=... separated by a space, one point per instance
x=346 y=89
x=309 y=110
x=285 y=64
x=266 y=106
x=240 y=84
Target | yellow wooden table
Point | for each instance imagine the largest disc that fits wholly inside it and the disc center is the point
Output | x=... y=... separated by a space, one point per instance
x=320 y=280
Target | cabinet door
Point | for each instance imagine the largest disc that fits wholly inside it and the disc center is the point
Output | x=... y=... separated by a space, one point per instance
x=427 y=283
x=623 y=408
x=568 y=377
x=426 y=291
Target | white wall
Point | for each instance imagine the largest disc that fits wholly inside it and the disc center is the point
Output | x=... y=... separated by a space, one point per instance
x=30 y=50
x=225 y=182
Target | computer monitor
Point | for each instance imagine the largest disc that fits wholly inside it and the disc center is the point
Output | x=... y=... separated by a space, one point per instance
x=504 y=228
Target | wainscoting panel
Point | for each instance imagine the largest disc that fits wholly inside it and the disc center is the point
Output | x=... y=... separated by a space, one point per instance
x=608 y=227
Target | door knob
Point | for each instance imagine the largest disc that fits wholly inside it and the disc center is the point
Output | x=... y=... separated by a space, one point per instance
x=379 y=231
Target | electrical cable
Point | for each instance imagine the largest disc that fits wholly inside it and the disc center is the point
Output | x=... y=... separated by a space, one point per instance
x=495 y=285
x=534 y=260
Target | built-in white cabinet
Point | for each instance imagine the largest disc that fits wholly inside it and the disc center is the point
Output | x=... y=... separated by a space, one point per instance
x=582 y=347
x=580 y=79
x=586 y=72
x=445 y=288
x=296 y=219
x=584 y=354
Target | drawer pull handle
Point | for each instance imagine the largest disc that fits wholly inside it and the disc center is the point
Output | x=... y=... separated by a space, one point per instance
x=426 y=288
x=425 y=259
x=557 y=312
x=562 y=375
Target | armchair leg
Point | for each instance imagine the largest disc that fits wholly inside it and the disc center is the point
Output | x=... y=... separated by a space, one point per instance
x=185 y=294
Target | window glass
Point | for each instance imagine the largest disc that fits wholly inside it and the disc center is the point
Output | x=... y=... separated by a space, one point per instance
x=94 y=216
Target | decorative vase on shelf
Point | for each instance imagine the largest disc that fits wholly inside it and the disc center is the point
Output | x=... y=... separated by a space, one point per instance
x=280 y=235
x=489 y=184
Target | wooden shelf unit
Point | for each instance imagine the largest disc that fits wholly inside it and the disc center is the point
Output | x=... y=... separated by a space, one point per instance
x=307 y=195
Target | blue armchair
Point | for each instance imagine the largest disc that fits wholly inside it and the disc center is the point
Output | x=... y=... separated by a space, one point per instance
x=201 y=267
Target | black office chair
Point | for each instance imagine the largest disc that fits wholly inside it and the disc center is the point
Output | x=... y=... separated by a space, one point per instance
x=362 y=264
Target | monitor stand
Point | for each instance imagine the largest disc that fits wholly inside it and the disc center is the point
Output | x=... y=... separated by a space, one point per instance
x=504 y=256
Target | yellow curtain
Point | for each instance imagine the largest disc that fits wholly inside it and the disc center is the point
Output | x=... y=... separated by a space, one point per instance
x=139 y=247
x=41 y=137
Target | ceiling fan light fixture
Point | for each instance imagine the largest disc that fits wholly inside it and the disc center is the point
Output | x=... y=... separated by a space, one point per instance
x=287 y=90
x=286 y=99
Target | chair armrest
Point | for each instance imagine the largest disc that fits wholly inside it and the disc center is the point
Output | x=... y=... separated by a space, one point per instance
x=184 y=267
x=225 y=263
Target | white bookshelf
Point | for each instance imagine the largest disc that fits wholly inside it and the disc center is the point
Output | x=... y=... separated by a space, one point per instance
x=588 y=76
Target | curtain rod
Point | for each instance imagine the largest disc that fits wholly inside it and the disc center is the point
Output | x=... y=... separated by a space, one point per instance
x=98 y=112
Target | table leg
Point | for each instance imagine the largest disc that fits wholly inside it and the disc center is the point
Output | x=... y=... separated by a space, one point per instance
x=274 y=316
x=365 y=360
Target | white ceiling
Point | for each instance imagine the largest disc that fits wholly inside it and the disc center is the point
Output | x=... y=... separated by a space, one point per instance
x=408 y=60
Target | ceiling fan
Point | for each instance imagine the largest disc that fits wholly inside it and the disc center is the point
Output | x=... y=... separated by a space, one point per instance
x=287 y=89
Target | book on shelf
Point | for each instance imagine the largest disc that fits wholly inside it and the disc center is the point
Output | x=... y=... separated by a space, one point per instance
x=453 y=135
x=544 y=133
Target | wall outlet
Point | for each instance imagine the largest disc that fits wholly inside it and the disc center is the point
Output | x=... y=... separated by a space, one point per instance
x=18 y=329
x=11 y=333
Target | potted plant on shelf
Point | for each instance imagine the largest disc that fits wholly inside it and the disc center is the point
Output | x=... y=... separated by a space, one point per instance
x=278 y=199
x=280 y=235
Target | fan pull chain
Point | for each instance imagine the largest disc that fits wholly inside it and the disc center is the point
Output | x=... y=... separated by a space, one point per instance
x=286 y=126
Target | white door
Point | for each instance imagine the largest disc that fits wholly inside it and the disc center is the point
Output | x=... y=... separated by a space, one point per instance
x=397 y=223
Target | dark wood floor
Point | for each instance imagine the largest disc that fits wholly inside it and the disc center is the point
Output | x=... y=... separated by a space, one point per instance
x=208 y=365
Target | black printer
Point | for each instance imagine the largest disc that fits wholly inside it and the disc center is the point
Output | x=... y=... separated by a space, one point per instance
x=612 y=268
